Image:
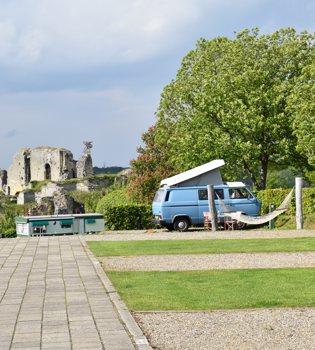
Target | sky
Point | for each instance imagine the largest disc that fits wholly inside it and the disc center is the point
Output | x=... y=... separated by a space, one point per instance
x=93 y=70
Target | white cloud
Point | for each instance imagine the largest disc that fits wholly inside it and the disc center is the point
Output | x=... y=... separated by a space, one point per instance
x=80 y=32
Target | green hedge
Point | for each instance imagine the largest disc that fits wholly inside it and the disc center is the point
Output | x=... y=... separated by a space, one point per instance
x=128 y=217
x=9 y=233
x=276 y=196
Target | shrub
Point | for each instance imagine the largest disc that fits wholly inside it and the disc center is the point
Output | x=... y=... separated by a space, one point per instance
x=120 y=213
x=88 y=199
x=7 y=221
x=114 y=198
x=128 y=217
x=276 y=196
x=9 y=233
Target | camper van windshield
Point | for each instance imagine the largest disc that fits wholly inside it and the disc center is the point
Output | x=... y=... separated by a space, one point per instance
x=159 y=195
x=236 y=193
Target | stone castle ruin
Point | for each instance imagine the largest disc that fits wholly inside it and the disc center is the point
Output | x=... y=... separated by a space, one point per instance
x=44 y=163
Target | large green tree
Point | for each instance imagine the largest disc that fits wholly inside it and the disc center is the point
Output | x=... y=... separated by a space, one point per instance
x=303 y=107
x=230 y=100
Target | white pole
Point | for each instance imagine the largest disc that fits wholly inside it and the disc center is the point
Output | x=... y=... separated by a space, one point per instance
x=298 y=203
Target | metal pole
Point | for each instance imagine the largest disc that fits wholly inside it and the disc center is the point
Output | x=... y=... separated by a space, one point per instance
x=212 y=209
x=298 y=203
x=271 y=222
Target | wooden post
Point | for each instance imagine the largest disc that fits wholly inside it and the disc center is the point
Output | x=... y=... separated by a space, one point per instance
x=298 y=203
x=212 y=209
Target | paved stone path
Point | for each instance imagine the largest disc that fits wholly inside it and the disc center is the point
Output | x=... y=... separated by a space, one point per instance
x=53 y=296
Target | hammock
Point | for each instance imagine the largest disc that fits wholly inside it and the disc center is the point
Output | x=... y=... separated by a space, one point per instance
x=254 y=220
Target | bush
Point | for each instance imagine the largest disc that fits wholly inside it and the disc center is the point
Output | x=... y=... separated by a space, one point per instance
x=276 y=196
x=120 y=213
x=7 y=221
x=88 y=199
x=128 y=217
x=114 y=198
x=9 y=233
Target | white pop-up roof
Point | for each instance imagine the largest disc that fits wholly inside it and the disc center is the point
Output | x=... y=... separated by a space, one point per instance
x=195 y=173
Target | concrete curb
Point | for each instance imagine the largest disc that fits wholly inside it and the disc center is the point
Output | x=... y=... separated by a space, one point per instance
x=132 y=327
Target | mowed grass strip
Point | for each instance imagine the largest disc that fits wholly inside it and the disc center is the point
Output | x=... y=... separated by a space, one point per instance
x=211 y=290
x=208 y=246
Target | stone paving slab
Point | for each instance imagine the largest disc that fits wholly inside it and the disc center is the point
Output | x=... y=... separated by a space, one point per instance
x=54 y=296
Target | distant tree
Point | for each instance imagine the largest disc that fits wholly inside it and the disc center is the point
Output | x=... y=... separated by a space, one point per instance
x=148 y=169
x=229 y=100
x=107 y=170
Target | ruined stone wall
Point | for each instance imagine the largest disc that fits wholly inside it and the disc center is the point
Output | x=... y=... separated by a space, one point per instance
x=54 y=164
x=40 y=163
x=16 y=174
x=84 y=166
x=45 y=163
x=3 y=180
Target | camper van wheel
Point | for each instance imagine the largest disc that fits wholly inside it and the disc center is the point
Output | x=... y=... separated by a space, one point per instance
x=181 y=224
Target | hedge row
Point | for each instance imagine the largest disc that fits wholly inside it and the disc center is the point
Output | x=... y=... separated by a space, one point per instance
x=128 y=217
x=276 y=197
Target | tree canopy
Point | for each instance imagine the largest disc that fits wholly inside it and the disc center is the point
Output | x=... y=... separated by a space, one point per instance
x=233 y=99
x=303 y=107
x=148 y=169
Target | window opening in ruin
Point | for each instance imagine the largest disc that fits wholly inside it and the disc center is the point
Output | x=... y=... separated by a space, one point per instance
x=47 y=172
x=27 y=169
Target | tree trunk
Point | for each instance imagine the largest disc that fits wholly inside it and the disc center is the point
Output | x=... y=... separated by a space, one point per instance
x=263 y=172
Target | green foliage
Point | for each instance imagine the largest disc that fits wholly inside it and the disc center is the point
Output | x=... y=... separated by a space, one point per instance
x=127 y=217
x=281 y=178
x=36 y=186
x=9 y=233
x=276 y=196
x=88 y=199
x=113 y=198
x=302 y=104
x=108 y=170
x=148 y=169
x=7 y=222
x=120 y=213
x=229 y=100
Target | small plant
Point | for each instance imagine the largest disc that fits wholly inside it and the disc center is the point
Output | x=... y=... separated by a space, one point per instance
x=9 y=233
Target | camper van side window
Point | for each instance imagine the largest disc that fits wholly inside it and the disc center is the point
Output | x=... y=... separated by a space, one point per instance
x=167 y=196
x=203 y=194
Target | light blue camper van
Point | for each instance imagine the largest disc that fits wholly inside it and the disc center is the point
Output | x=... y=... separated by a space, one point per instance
x=178 y=208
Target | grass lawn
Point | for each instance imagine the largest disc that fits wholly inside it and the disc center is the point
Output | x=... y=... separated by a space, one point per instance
x=206 y=290
x=209 y=246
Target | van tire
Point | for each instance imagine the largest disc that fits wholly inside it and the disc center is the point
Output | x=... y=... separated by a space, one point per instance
x=181 y=224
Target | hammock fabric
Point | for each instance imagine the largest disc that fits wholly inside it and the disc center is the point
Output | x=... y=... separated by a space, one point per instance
x=255 y=220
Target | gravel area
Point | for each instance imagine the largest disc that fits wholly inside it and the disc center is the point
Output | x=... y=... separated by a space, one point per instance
x=208 y=261
x=263 y=329
x=197 y=234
